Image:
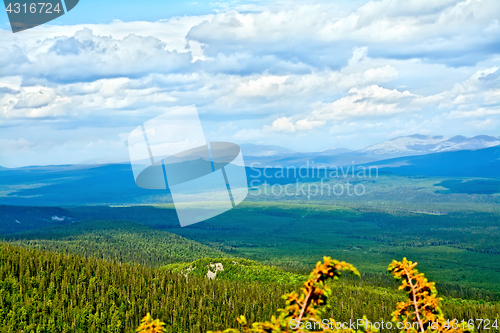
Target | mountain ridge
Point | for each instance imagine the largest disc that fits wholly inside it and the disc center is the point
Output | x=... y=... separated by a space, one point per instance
x=418 y=144
x=272 y=155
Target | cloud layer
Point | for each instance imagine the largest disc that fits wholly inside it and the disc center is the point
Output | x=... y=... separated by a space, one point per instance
x=309 y=77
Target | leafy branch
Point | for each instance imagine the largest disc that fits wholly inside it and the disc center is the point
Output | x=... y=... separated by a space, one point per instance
x=150 y=325
x=422 y=307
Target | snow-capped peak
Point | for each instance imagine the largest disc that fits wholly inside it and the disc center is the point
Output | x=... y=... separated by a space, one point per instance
x=418 y=144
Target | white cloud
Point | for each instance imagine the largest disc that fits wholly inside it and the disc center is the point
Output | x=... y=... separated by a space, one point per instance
x=476 y=96
x=304 y=86
x=369 y=101
x=85 y=56
x=413 y=29
x=260 y=72
x=285 y=124
x=282 y=124
x=307 y=125
x=265 y=85
x=35 y=97
x=32 y=102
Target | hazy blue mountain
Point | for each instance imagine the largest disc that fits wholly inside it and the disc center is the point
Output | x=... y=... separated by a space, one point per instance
x=462 y=163
x=114 y=183
x=418 y=144
x=308 y=159
x=276 y=156
x=411 y=145
x=335 y=151
x=72 y=185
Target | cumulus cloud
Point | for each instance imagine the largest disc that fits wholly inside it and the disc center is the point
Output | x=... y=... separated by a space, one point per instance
x=369 y=101
x=35 y=97
x=285 y=124
x=282 y=124
x=475 y=97
x=31 y=102
x=307 y=125
x=266 y=85
x=85 y=56
x=413 y=29
x=260 y=72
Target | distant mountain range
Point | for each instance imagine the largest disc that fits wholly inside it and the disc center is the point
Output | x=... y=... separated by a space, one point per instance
x=114 y=183
x=335 y=151
x=425 y=144
x=261 y=156
x=462 y=163
x=412 y=145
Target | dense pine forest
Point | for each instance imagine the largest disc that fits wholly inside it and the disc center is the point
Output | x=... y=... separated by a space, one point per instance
x=89 y=275
x=132 y=242
x=124 y=241
x=44 y=291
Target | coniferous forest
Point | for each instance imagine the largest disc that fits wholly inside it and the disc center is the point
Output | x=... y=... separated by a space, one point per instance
x=48 y=292
x=43 y=291
x=106 y=275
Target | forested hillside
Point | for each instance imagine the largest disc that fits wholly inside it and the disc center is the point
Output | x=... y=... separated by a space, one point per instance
x=123 y=241
x=235 y=269
x=43 y=291
x=246 y=234
x=50 y=292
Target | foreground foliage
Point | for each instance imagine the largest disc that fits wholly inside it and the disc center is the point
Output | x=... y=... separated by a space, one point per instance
x=305 y=313
x=150 y=325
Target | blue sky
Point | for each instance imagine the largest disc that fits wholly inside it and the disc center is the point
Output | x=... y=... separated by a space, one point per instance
x=305 y=75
